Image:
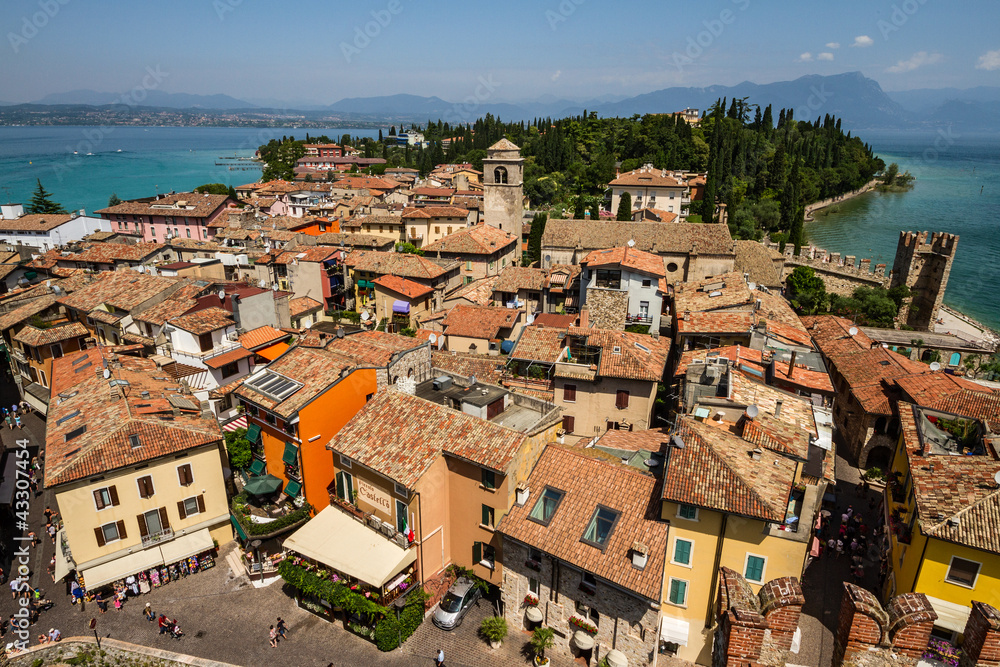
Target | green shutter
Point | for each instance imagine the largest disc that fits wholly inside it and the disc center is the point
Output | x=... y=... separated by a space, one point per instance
x=253 y=433
x=291 y=455
x=487 y=515
x=682 y=552
x=292 y=488
x=489 y=479
x=755 y=568
x=477 y=552
x=678 y=591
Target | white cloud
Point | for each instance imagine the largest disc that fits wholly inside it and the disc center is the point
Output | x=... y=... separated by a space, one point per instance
x=862 y=41
x=824 y=56
x=557 y=74
x=989 y=61
x=918 y=59
x=833 y=45
x=806 y=57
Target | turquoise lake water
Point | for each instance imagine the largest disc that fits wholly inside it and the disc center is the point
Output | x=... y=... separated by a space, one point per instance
x=152 y=159
x=957 y=190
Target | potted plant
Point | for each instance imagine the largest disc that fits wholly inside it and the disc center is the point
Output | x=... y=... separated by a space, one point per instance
x=530 y=600
x=542 y=639
x=494 y=629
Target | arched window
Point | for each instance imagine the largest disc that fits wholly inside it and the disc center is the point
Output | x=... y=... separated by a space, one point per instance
x=500 y=175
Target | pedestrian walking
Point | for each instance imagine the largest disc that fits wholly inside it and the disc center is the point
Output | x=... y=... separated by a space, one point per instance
x=52 y=569
x=17 y=421
x=102 y=604
x=33 y=486
x=840 y=548
x=850 y=511
x=9 y=418
x=831 y=546
x=162 y=622
x=118 y=602
x=273 y=637
x=282 y=628
x=439 y=658
x=14 y=585
x=3 y=577
x=52 y=532
x=147 y=611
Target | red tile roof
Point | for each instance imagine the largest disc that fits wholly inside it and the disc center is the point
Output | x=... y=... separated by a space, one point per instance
x=479 y=240
x=204 y=321
x=400 y=436
x=515 y=278
x=261 y=336
x=122 y=289
x=35 y=337
x=394 y=263
x=714 y=322
x=729 y=289
x=647 y=177
x=105 y=444
x=483 y=322
x=628 y=257
x=197 y=206
x=715 y=470
x=641 y=357
x=303 y=305
x=588 y=483
x=35 y=222
x=435 y=212
x=403 y=287
x=221 y=360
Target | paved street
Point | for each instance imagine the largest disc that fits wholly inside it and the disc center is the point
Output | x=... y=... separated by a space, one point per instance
x=823 y=582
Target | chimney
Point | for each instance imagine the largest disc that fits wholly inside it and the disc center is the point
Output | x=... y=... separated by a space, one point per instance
x=521 y=494
x=777 y=408
x=585 y=318
x=791 y=363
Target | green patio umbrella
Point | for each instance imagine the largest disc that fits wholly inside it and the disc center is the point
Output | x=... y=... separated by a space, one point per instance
x=263 y=485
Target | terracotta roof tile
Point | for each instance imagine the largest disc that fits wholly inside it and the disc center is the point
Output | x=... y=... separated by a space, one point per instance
x=371 y=348
x=648 y=177
x=756 y=259
x=198 y=206
x=204 y=321
x=435 y=212
x=315 y=369
x=655 y=237
x=400 y=436
x=729 y=289
x=403 y=287
x=515 y=278
x=35 y=337
x=261 y=336
x=35 y=222
x=394 y=263
x=122 y=289
x=479 y=292
x=715 y=470
x=714 y=322
x=221 y=360
x=487 y=369
x=479 y=240
x=640 y=357
x=484 y=322
x=588 y=483
x=540 y=343
x=630 y=258
x=26 y=311
x=105 y=444
x=303 y=305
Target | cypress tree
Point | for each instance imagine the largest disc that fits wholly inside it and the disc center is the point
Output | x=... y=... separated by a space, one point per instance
x=625 y=207
x=580 y=208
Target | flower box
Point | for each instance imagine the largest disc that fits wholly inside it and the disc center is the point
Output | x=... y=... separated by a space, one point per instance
x=581 y=624
x=530 y=600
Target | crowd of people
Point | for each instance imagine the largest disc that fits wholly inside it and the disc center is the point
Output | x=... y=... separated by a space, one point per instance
x=13 y=416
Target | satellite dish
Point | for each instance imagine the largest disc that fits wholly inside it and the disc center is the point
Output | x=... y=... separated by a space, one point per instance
x=432 y=338
x=935 y=366
x=365 y=316
x=996 y=478
x=309 y=325
x=260 y=283
x=853 y=331
x=631 y=243
x=752 y=411
x=222 y=295
x=274 y=287
x=752 y=286
x=107 y=373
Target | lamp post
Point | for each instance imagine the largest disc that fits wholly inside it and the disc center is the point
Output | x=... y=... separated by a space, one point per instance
x=93 y=626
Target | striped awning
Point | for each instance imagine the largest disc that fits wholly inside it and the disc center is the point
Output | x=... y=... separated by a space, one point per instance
x=239 y=422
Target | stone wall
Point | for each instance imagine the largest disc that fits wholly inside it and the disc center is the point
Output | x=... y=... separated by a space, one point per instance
x=112 y=652
x=870 y=636
x=627 y=622
x=923 y=263
x=842 y=275
x=608 y=308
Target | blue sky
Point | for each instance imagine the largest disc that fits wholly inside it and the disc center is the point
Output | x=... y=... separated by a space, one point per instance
x=310 y=52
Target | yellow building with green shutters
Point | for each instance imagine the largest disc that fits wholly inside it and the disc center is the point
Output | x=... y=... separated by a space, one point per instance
x=942 y=508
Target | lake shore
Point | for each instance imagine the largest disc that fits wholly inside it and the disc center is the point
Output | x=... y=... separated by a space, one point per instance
x=816 y=206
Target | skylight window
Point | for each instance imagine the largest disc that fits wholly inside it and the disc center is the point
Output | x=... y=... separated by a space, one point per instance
x=600 y=527
x=79 y=360
x=134 y=441
x=76 y=433
x=546 y=506
x=86 y=365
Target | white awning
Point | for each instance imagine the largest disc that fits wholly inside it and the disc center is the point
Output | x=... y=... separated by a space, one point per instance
x=674 y=630
x=186 y=545
x=62 y=563
x=338 y=541
x=950 y=615
x=122 y=567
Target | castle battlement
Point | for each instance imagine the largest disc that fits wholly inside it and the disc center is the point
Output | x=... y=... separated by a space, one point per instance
x=833 y=263
x=940 y=243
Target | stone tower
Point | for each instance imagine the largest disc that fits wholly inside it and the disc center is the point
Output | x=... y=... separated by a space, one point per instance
x=503 y=187
x=924 y=266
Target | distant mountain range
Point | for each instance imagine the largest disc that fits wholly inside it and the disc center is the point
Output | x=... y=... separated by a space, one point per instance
x=858 y=100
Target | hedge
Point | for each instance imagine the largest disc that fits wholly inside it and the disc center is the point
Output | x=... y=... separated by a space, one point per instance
x=253 y=528
x=336 y=593
x=391 y=633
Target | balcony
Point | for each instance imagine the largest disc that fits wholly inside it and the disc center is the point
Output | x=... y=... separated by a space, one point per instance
x=386 y=530
x=157 y=537
x=639 y=319
x=415 y=236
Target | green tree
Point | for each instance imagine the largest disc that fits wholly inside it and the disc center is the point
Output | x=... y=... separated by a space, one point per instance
x=113 y=200
x=534 y=251
x=232 y=193
x=595 y=209
x=579 y=208
x=807 y=291
x=889 y=177
x=625 y=207
x=41 y=202
x=213 y=189
x=871 y=306
x=409 y=249
x=238 y=447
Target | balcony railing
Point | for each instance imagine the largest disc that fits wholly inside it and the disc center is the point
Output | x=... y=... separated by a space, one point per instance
x=388 y=531
x=638 y=319
x=158 y=536
x=415 y=236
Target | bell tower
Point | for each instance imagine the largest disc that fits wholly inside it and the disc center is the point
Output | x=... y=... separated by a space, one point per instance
x=503 y=187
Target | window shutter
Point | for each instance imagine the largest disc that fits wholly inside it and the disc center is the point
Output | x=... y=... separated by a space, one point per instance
x=569 y=423
x=184 y=474
x=201 y=503
x=477 y=551
x=682 y=552
x=100 y=536
x=113 y=492
x=340 y=485
x=143 y=530
x=98 y=500
x=121 y=530
x=569 y=392
x=487 y=511
x=180 y=509
x=621 y=399
x=164 y=521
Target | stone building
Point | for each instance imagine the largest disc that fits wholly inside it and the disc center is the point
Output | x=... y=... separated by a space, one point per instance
x=586 y=559
x=924 y=266
x=503 y=186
